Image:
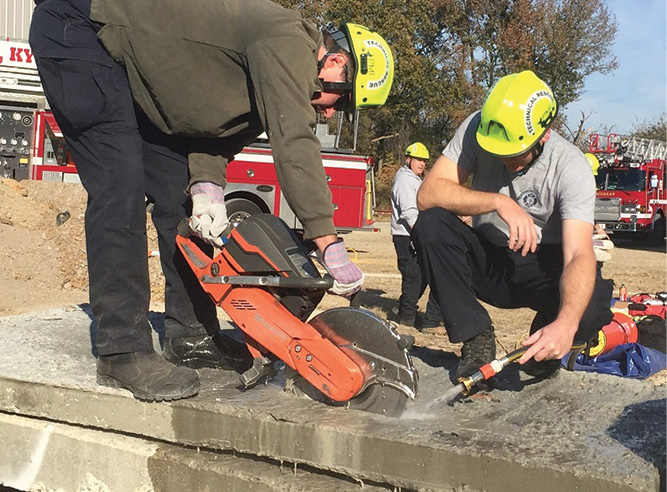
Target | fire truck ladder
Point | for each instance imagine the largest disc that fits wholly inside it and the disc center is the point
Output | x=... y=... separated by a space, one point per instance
x=21 y=85
x=643 y=148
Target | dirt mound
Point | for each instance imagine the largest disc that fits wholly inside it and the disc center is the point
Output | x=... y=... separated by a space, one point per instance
x=43 y=241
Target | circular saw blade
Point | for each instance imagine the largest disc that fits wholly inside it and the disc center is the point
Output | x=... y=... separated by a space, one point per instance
x=373 y=344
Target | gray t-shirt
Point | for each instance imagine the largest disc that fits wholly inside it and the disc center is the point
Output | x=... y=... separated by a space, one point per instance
x=558 y=185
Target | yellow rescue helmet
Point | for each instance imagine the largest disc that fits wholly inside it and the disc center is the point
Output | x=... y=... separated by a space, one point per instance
x=373 y=67
x=518 y=111
x=593 y=162
x=418 y=151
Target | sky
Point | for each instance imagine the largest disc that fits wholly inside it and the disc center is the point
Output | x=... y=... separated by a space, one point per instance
x=636 y=91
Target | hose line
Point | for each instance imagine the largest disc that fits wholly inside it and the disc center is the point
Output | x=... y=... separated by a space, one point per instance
x=489 y=370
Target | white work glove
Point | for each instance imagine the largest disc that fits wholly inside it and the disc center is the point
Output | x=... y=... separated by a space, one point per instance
x=347 y=276
x=209 y=214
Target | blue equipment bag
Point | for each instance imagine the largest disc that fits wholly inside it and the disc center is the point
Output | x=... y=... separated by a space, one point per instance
x=631 y=360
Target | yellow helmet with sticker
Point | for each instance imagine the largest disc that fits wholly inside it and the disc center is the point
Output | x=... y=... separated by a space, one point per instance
x=418 y=151
x=373 y=72
x=593 y=162
x=518 y=111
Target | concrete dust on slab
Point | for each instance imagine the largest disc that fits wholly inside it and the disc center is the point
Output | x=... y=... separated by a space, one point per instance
x=579 y=431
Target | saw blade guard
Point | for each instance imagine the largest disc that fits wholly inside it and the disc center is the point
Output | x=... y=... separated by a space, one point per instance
x=371 y=342
x=390 y=378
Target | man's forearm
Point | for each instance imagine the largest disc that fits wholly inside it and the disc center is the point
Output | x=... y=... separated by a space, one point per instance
x=576 y=286
x=457 y=199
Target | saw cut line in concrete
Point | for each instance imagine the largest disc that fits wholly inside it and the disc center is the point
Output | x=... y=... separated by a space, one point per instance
x=580 y=431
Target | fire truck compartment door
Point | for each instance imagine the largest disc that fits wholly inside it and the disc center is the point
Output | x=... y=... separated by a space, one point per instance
x=53 y=125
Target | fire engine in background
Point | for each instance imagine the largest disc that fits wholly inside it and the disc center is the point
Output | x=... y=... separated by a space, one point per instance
x=32 y=146
x=631 y=195
x=253 y=186
x=21 y=96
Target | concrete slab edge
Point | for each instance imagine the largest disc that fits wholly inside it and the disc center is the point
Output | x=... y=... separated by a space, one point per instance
x=340 y=450
x=47 y=456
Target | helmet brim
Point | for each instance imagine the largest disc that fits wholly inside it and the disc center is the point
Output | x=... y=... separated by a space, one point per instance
x=502 y=149
x=505 y=149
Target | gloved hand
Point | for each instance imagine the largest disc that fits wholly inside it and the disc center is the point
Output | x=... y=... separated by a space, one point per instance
x=347 y=276
x=209 y=214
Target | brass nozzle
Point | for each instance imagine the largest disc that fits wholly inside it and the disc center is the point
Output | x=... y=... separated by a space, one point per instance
x=467 y=383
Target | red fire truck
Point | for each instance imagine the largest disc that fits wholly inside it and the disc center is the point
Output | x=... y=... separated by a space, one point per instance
x=21 y=96
x=631 y=195
x=253 y=187
x=32 y=146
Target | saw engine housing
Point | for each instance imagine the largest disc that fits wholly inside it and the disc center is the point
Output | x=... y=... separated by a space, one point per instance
x=266 y=246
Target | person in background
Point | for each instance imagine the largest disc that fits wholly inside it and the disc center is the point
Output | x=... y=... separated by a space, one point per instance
x=531 y=198
x=601 y=241
x=404 y=213
x=154 y=99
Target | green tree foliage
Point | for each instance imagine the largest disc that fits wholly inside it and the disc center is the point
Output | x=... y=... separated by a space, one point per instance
x=654 y=129
x=576 y=41
x=449 y=53
x=429 y=94
x=563 y=41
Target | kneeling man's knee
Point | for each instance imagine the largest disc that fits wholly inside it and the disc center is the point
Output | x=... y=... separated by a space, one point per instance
x=435 y=224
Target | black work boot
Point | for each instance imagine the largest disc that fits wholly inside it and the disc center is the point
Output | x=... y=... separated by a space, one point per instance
x=475 y=353
x=219 y=352
x=147 y=375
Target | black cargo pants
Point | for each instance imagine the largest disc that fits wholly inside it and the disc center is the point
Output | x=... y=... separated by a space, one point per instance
x=413 y=284
x=121 y=159
x=463 y=268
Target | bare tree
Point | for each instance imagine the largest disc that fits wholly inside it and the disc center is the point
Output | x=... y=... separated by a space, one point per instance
x=579 y=136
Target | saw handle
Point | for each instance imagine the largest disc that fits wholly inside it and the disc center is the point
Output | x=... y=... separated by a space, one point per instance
x=183 y=228
x=324 y=283
x=318 y=283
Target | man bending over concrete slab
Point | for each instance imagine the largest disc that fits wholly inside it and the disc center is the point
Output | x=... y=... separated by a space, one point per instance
x=154 y=99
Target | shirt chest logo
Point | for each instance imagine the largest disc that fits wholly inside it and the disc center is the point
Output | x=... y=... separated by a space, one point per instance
x=529 y=199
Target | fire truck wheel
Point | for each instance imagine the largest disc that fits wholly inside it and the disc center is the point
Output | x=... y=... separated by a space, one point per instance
x=239 y=209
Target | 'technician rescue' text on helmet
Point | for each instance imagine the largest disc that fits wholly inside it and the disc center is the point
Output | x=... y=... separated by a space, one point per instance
x=418 y=151
x=516 y=114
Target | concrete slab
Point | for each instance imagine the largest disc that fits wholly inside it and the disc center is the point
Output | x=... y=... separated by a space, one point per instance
x=44 y=456
x=579 y=431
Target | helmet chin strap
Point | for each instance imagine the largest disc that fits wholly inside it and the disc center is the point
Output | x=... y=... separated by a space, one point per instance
x=540 y=148
x=336 y=86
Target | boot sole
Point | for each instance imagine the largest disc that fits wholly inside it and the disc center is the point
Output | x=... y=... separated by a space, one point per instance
x=196 y=363
x=111 y=382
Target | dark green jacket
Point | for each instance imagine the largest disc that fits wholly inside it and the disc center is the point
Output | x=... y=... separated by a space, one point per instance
x=226 y=70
